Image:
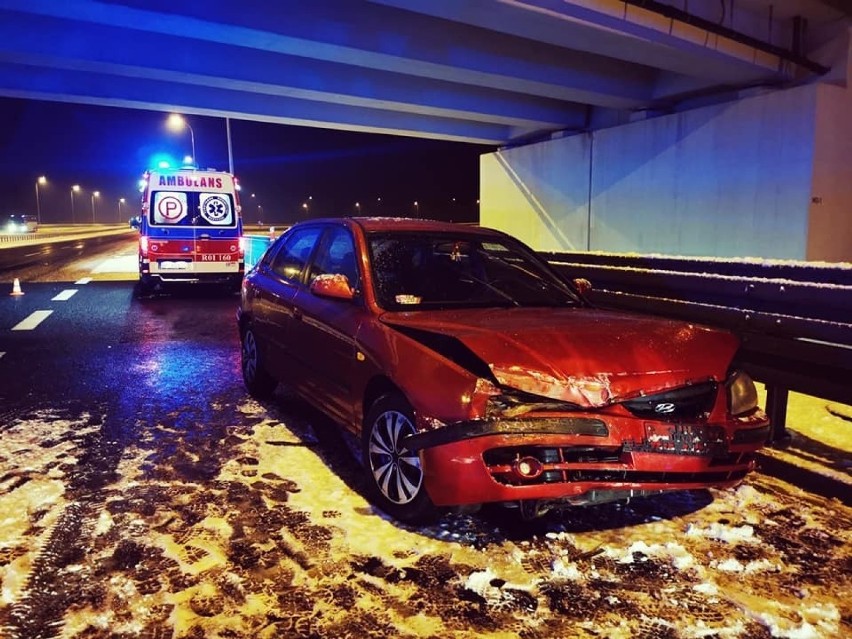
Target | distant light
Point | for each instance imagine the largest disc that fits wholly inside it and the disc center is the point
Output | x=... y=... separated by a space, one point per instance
x=175 y=122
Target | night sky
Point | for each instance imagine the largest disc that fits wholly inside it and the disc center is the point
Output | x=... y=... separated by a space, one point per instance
x=107 y=149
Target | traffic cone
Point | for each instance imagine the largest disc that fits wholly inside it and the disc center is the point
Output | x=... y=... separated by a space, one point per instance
x=16 y=288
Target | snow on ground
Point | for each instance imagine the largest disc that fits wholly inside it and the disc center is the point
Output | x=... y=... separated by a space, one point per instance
x=263 y=531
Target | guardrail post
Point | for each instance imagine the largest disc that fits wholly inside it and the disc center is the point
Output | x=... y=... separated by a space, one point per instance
x=776 y=407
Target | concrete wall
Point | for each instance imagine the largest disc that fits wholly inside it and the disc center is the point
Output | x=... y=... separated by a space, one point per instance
x=729 y=180
x=539 y=193
x=830 y=218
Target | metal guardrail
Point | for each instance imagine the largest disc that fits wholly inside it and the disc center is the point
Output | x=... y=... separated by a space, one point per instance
x=794 y=319
x=9 y=238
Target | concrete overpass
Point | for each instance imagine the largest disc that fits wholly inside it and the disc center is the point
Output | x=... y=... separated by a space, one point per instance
x=497 y=72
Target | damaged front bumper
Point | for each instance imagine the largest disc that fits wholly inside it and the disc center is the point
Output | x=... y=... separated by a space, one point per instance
x=582 y=459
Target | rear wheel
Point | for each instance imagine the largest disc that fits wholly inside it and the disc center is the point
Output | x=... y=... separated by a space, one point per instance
x=259 y=383
x=143 y=287
x=395 y=473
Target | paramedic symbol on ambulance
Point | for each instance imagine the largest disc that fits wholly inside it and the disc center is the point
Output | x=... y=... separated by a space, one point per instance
x=215 y=208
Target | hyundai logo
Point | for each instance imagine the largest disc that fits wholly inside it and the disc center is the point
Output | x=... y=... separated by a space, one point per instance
x=664 y=408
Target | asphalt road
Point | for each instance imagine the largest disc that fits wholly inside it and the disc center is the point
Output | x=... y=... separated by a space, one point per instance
x=143 y=494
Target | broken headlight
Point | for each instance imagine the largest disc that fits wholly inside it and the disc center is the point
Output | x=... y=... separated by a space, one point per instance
x=742 y=394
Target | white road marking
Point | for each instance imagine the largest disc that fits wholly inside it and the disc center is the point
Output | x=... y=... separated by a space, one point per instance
x=83 y=280
x=35 y=318
x=65 y=295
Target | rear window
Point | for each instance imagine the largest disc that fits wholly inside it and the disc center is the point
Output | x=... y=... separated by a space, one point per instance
x=192 y=208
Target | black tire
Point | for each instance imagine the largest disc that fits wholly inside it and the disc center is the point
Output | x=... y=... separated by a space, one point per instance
x=143 y=288
x=394 y=475
x=259 y=383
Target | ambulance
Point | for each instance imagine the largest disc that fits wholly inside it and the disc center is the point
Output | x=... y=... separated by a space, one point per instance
x=190 y=229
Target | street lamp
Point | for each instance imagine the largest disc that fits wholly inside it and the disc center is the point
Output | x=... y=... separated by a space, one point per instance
x=74 y=189
x=357 y=208
x=94 y=195
x=41 y=180
x=176 y=123
x=416 y=209
x=120 y=202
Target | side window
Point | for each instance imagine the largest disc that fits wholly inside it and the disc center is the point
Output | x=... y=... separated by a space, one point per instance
x=291 y=258
x=337 y=255
x=271 y=251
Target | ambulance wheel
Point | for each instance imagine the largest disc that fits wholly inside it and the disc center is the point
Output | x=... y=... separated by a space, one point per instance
x=143 y=287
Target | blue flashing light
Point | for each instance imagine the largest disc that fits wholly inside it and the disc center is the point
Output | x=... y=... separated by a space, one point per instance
x=162 y=161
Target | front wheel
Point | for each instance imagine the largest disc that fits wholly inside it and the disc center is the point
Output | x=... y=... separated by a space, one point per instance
x=395 y=473
x=259 y=383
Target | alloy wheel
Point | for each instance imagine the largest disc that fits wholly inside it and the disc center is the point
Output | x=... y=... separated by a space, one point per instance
x=396 y=470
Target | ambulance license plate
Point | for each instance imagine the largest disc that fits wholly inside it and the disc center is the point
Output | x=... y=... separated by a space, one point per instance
x=171 y=265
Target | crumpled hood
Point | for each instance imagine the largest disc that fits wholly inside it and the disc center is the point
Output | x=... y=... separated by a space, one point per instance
x=586 y=356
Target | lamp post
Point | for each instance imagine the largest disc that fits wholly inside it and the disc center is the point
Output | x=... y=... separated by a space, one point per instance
x=41 y=180
x=416 y=209
x=357 y=208
x=177 y=122
x=120 y=202
x=74 y=189
x=94 y=195
x=230 y=150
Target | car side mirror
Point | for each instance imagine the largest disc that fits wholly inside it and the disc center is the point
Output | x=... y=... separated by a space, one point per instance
x=582 y=285
x=135 y=222
x=333 y=285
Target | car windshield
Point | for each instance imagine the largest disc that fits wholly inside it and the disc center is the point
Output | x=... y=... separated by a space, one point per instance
x=417 y=271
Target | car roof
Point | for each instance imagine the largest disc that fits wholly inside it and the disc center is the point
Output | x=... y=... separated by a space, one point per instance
x=378 y=224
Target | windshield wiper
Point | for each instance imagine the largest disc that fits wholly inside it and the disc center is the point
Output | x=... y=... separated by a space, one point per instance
x=490 y=287
x=548 y=284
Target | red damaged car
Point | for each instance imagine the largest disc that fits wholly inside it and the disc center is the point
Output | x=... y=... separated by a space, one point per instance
x=473 y=373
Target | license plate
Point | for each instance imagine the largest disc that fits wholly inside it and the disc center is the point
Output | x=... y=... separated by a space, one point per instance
x=216 y=257
x=682 y=439
x=170 y=265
